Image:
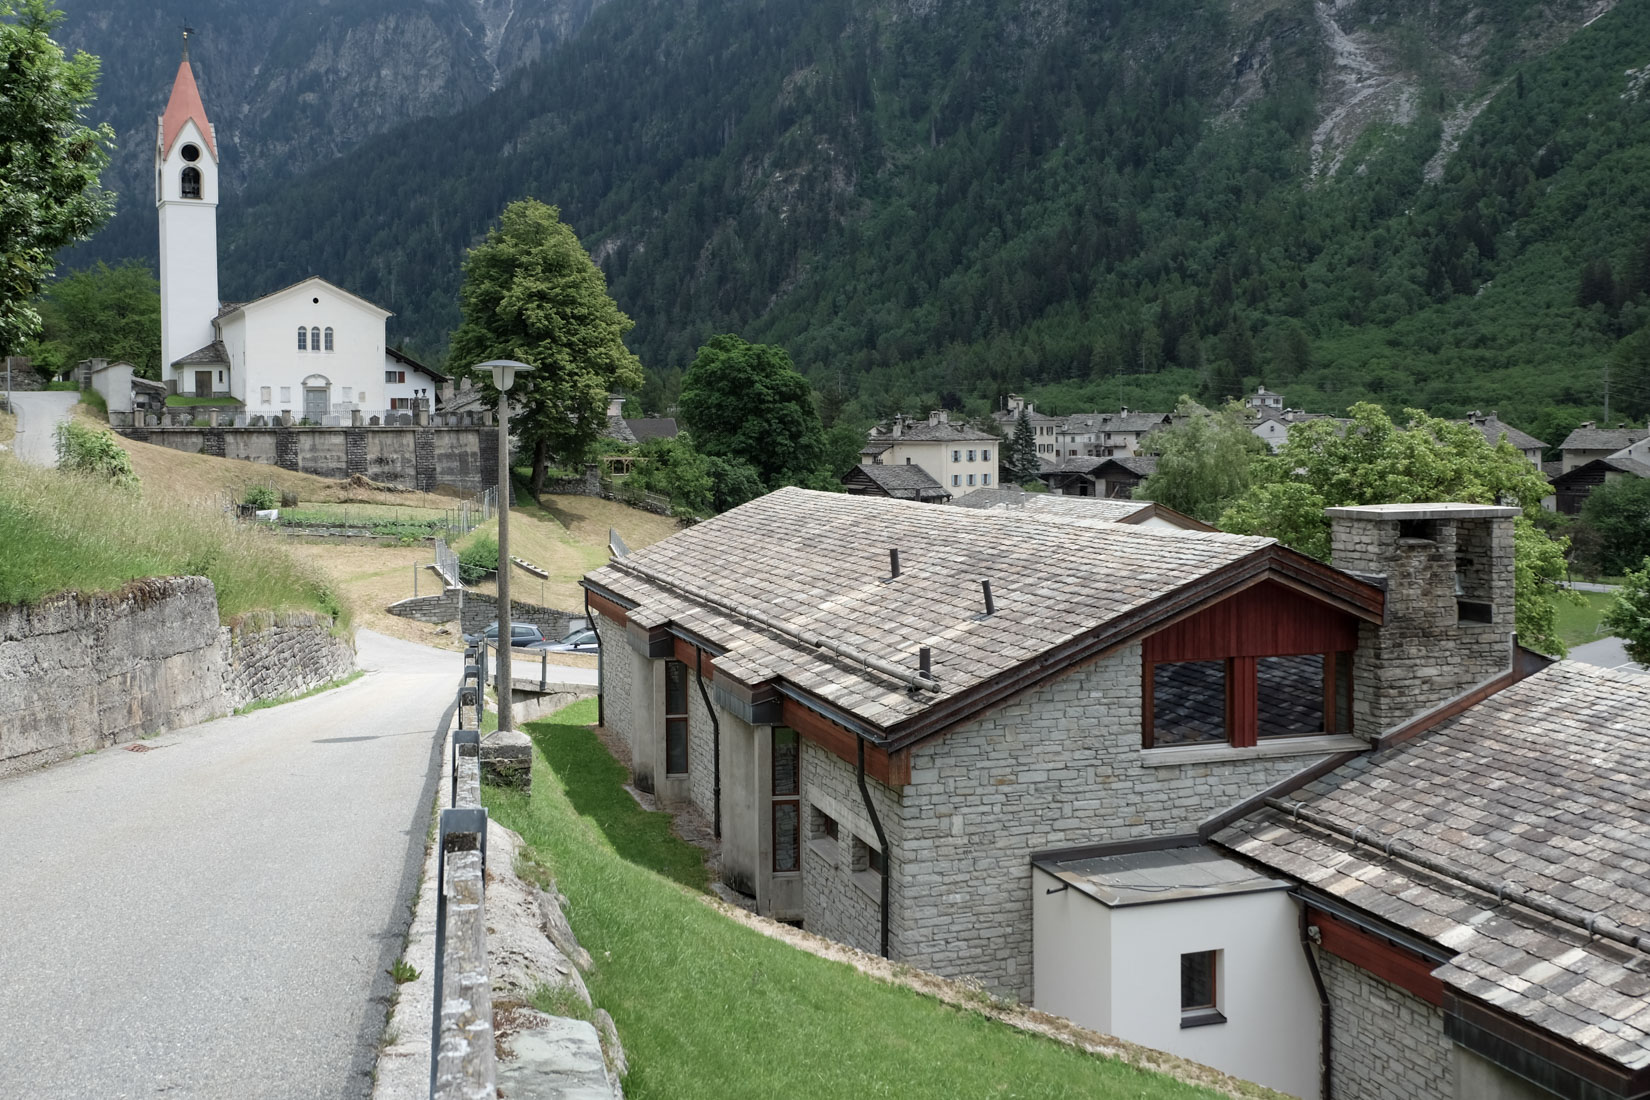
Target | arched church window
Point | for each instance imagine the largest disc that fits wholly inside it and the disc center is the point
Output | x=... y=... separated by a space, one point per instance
x=328 y=337
x=303 y=338
x=314 y=339
x=191 y=182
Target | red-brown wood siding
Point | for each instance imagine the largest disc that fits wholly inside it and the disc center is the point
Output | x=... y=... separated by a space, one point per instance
x=689 y=656
x=894 y=770
x=1382 y=958
x=607 y=609
x=1266 y=620
x=1242 y=699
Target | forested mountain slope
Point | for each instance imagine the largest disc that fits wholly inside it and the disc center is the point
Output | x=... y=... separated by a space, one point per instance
x=1095 y=201
x=291 y=84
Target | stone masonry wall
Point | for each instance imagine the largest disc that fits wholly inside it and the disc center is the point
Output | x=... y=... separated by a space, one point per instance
x=1389 y=1044
x=481 y=611
x=271 y=656
x=841 y=897
x=1422 y=654
x=79 y=673
x=618 y=672
x=1059 y=766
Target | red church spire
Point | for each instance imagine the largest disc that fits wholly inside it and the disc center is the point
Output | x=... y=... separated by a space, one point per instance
x=184 y=105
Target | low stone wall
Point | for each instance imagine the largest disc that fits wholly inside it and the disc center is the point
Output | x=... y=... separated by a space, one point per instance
x=79 y=672
x=481 y=611
x=274 y=655
x=588 y=484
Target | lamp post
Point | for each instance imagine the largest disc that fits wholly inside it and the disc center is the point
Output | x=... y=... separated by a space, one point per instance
x=504 y=376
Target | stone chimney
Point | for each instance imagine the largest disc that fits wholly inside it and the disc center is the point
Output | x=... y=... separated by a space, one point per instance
x=615 y=405
x=1448 y=574
x=446 y=391
x=899 y=424
x=938 y=416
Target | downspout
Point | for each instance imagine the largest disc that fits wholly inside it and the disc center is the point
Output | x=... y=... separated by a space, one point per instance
x=882 y=839
x=590 y=621
x=1325 y=1049
x=715 y=743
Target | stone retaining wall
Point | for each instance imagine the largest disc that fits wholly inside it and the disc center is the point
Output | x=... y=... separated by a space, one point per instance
x=481 y=611
x=80 y=672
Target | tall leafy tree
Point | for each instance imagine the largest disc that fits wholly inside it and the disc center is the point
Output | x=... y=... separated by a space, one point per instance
x=746 y=403
x=532 y=294
x=106 y=312
x=1628 y=617
x=1619 y=514
x=1373 y=460
x=1204 y=461
x=50 y=159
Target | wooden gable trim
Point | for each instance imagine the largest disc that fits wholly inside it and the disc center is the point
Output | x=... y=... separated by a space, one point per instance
x=892 y=769
x=606 y=608
x=1382 y=958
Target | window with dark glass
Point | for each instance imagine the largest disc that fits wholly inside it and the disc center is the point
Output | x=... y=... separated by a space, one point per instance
x=787 y=808
x=1199 y=989
x=676 y=718
x=1188 y=702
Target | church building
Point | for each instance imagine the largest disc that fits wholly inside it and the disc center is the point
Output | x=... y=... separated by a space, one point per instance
x=311 y=350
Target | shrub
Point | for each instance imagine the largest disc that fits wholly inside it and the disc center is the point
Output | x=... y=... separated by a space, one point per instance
x=478 y=559
x=261 y=498
x=93 y=451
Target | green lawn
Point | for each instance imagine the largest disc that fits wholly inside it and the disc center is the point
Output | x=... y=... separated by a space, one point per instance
x=708 y=1008
x=1578 y=623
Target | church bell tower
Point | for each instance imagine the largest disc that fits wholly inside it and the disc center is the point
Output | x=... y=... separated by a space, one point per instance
x=186 y=195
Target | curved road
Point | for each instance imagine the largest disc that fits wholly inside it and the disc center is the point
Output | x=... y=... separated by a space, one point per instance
x=214 y=918
x=38 y=415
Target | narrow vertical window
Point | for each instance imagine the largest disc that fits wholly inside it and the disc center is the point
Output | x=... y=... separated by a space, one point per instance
x=1200 y=989
x=327 y=337
x=303 y=338
x=314 y=339
x=676 y=718
x=190 y=183
x=787 y=810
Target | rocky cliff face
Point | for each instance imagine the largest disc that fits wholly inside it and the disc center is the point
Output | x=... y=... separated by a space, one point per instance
x=292 y=85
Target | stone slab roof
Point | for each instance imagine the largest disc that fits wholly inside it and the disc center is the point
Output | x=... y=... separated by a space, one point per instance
x=618 y=429
x=901 y=478
x=923 y=432
x=213 y=353
x=1053 y=503
x=1493 y=429
x=652 y=427
x=1595 y=469
x=1543 y=788
x=817 y=564
x=1602 y=439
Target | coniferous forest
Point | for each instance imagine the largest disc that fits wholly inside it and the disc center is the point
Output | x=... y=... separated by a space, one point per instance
x=1092 y=202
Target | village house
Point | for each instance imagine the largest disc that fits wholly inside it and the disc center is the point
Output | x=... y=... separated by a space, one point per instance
x=1590 y=441
x=907 y=481
x=1044 y=428
x=1572 y=487
x=959 y=457
x=1494 y=430
x=1113 y=478
x=309 y=350
x=919 y=729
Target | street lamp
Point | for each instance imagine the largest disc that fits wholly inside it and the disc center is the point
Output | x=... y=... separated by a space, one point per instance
x=504 y=376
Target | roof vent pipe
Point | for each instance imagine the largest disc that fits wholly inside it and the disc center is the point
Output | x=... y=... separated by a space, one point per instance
x=990 y=604
x=925 y=662
x=893 y=563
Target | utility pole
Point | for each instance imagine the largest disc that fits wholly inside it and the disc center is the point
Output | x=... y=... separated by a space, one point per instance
x=1606 y=395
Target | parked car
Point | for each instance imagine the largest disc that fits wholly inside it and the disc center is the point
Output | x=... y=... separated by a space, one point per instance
x=522 y=635
x=580 y=641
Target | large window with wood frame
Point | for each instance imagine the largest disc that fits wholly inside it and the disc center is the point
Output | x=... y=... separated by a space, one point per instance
x=676 y=718
x=787 y=805
x=1267 y=664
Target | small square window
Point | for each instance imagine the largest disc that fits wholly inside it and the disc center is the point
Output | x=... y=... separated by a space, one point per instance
x=956 y=480
x=971 y=456
x=956 y=456
x=985 y=455
x=985 y=479
x=264 y=394
x=286 y=393
x=1200 y=989
x=970 y=479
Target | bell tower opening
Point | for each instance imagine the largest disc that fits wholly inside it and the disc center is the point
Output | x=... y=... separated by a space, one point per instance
x=190 y=183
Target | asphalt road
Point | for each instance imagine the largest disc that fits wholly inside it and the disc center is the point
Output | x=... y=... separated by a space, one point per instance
x=214 y=918
x=38 y=415
x=1605 y=653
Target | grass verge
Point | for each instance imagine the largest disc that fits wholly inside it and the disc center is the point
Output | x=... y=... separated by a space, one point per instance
x=265 y=704
x=1578 y=623
x=65 y=532
x=710 y=1008
x=184 y=401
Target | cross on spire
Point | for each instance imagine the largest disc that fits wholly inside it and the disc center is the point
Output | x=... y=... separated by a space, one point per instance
x=187 y=31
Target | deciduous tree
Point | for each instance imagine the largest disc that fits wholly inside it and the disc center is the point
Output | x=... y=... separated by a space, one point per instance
x=532 y=294
x=746 y=403
x=107 y=312
x=1628 y=618
x=50 y=159
x=1203 y=461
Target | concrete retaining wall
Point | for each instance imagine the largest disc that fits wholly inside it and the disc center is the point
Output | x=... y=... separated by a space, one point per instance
x=481 y=611
x=79 y=673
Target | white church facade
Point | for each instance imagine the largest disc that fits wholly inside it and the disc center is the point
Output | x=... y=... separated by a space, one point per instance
x=311 y=351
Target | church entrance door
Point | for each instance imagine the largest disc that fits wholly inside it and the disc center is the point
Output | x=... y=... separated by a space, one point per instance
x=203 y=383
x=315 y=404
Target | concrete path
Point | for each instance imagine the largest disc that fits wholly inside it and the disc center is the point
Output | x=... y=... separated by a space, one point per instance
x=214 y=917
x=1589 y=586
x=38 y=415
x=1605 y=653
